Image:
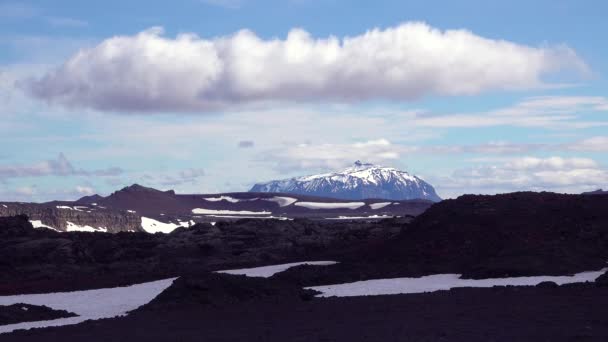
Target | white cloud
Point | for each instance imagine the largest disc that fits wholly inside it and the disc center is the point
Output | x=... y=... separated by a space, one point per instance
x=25 y=191
x=85 y=190
x=183 y=177
x=148 y=72
x=593 y=144
x=527 y=173
x=331 y=156
x=60 y=166
x=66 y=22
x=554 y=112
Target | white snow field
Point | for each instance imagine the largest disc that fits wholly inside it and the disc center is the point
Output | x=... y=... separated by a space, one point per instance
x=322 y=205
x=90 y=304
x=225 y=198
x=280 y=218
x=72 y=227
x=269 y=271
x=376 y=206
x=153 y=226
x=440 y=282
x=39 y=224
x=201 y=211
x=282 y=201
x=358 y=217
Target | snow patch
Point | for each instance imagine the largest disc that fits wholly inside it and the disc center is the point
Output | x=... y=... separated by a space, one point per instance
x=223 y=198
x=280 y=218
x=228 y=212
x=269 y=271
x=440 y=282
x=72 y=227
x=131 y=211
x=358 y=217
x=77 y=208
x=4 y=205
x=321 y=205
x=376 y=206
x=282 y=201
x=153 y=226
x=88 y=305
x=39 y=224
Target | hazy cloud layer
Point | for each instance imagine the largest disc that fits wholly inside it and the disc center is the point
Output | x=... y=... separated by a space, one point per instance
x=175 y=179
x=528 y=173
x=60 y=166
x=538 y=112
x=331 y=156
x=593 y=144
x=149 y=72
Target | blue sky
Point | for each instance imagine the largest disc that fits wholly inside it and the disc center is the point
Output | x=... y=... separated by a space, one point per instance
x=215 y=95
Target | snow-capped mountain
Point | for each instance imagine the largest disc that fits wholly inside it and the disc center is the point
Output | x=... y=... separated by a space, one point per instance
x=359 y=181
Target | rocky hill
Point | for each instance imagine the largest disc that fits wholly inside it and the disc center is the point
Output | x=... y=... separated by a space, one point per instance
x=507 y=235
x=596 y=192
x=361 y=181
x=70 y=216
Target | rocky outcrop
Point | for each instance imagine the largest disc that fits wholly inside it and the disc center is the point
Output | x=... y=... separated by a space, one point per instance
x=19 y=313
x=30 y=257
x=507 y=235
x=65 y=216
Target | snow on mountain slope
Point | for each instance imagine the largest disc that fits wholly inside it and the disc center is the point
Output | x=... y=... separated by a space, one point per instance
x=359 y=181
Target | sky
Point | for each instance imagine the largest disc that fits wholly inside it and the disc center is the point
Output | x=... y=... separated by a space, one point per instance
x=206 y=96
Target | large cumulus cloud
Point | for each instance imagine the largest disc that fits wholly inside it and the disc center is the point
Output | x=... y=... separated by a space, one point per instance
x=150 y=72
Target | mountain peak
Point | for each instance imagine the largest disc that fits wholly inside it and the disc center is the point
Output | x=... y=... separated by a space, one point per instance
x=361 y=165
x=360 y=181
x=136 y=188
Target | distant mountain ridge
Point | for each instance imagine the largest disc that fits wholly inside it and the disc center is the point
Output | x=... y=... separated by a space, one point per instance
x=140 y=208
x=596 y=192
x=360 y=181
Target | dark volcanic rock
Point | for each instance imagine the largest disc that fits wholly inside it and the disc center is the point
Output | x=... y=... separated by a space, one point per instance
x=18 y=313
x=38 y=259
x=58 y=214
x=596 y=192
x=602 y=280
x=514 y=234
x=221 y=290
x=15 y=226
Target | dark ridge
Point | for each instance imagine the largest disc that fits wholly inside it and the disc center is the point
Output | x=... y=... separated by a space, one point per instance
x=89 y=199
x=596 y=192
x=517 y=234
x=221 y=290
x=19 y=313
